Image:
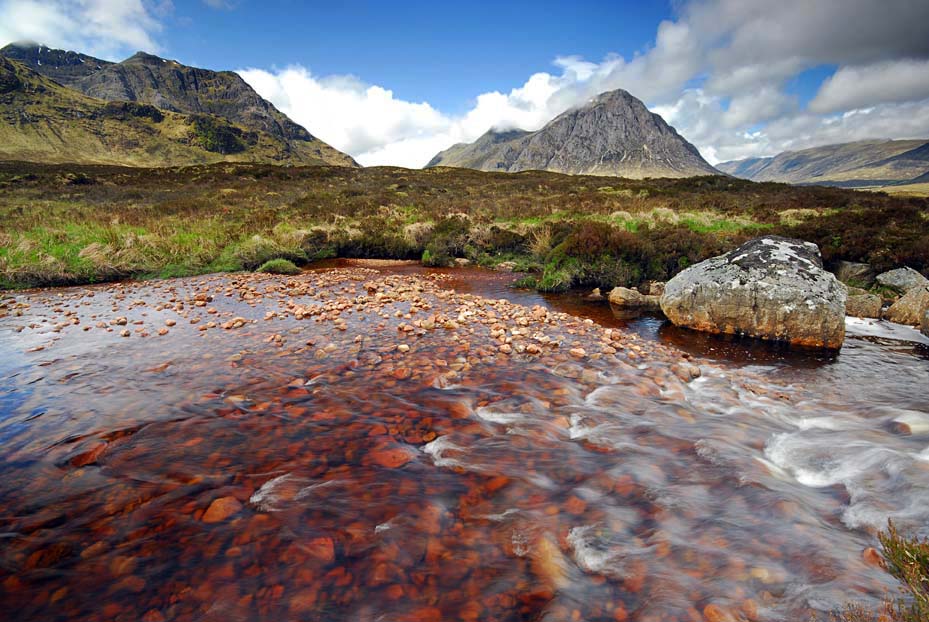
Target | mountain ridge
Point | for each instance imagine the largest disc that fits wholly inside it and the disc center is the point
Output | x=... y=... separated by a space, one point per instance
x=174 y=87
x=612 y=134
x=853 y=164
x=44 y=121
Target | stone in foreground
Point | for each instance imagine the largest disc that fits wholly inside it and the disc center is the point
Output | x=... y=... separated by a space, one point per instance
x=902 y=280
x=771 y=288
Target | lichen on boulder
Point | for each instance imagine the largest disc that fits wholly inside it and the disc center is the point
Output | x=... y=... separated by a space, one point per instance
x=771 y=288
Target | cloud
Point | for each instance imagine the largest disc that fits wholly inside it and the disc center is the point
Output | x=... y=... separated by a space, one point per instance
x=103 y=28
x=858 y=87
x=772 y=40
x=355 y=117
x=702 y=117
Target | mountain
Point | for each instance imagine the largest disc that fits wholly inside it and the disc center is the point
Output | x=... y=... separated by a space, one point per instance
x=61 y=66
x=856 y=164
x=613 y=134
x=173 y=87
x=43 y=121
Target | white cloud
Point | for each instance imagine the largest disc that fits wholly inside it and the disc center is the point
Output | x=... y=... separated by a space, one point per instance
x=103 y=28
x=889 y=81
x=752 y=107
x=701 y=117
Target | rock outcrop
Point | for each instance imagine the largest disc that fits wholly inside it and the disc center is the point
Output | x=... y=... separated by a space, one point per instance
x=901 y=280
x=771 y=288
x=911 y=308
x=864 y=305
x=613 y=134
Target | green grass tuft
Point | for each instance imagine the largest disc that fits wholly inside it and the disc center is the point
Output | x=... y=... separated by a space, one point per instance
x=279 y=266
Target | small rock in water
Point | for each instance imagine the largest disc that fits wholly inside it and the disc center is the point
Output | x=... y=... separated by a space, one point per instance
x=715 y=613
x=872 y=557
x=221 y=509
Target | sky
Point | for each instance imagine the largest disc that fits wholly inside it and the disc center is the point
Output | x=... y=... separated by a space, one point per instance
x=394 y=83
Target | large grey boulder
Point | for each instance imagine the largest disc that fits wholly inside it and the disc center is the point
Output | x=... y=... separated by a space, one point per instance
x=770 y=287
x=852 y=272
x=901 y=280
x=910 y=308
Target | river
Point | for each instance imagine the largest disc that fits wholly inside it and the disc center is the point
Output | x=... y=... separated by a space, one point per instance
x=459 y=450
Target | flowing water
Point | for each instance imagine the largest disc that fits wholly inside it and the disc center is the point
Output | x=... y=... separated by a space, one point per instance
x=508 y=461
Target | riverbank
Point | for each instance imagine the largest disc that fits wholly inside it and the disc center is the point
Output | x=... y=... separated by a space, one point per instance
x=361 y=442
x=63 y=225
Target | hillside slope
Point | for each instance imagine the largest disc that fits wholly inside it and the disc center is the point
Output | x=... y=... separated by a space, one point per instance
x=43 y=121
x=613 y=134
x=174 y=87
x=861 y=163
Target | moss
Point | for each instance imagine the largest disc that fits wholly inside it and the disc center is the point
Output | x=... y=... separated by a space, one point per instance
x=279 y=266
x=527 y=282
x=254 y=251
x=218 y=135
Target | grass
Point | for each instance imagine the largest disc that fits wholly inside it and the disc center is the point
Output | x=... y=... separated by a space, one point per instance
x=916 y=190
x=69 y=224
x=907 y=559
x=279 y=266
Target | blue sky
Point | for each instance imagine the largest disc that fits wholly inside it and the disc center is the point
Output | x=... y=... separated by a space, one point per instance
x=442 y=52
x=394 y=83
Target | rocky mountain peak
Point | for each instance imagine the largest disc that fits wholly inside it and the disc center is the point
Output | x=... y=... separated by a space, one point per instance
x=146 y=59
x=614 y=133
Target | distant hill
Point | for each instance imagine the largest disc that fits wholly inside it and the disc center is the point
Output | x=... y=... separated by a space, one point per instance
x=857 y=164
x=613 y=134
x=173 y=87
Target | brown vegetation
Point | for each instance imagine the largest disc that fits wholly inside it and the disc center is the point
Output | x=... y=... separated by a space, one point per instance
x=73 y=224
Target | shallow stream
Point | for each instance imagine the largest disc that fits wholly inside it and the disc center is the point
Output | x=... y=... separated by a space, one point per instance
x=309 y=469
